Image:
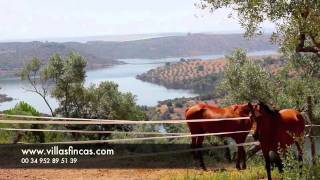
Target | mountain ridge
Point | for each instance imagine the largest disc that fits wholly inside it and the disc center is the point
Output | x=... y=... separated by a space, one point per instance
x=13 y=55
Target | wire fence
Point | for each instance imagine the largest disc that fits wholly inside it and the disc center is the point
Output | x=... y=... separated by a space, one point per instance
x=83 y=121
x=90 y=132
x=119 y=122
x=146 y=138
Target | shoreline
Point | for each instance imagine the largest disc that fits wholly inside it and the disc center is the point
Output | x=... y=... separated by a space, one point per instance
x=12 y=74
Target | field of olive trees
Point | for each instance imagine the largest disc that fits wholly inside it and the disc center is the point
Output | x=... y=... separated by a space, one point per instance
x=199 y=75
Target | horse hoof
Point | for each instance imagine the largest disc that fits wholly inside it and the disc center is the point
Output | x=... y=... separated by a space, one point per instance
x=204 y=168
x=201 y=168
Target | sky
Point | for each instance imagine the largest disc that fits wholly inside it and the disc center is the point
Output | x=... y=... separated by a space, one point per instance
x=34 y=19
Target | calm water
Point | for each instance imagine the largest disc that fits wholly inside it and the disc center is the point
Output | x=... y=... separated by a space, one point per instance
x=124 y=75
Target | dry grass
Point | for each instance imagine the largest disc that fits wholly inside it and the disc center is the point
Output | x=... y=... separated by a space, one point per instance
x=135 y=174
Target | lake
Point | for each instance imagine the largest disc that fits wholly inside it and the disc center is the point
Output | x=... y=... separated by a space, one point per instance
x=124 y=75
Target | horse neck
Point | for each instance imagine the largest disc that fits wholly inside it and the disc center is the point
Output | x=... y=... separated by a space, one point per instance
x=229 y=109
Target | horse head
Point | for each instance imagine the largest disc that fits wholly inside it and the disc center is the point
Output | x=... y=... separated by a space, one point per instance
x=255 y=115
x=261 y=114
x=241 y=110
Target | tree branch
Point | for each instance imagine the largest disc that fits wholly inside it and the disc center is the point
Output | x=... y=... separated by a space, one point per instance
x=43 y=95
x=313 y=38
x=302 y=48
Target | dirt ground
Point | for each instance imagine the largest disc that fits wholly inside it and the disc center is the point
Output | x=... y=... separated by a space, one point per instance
x=88 y=174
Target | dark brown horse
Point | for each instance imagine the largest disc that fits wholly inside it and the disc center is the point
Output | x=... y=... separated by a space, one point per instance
x=277 y=129
x=206 y=111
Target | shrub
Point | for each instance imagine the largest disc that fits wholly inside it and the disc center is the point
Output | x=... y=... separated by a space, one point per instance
x=23 y=108
x=294 y=170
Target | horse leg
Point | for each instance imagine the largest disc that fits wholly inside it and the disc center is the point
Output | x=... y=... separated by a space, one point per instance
x=193 y=146
x=300 y=152
x=200 y=155
x=227 y=151
x=197 y=143
x=241 y=157
x=278 y=162
x=241 y=153
x=253 y=151
x=300 y=155
x=244 y=158
x=197 y=155
x=267 y=164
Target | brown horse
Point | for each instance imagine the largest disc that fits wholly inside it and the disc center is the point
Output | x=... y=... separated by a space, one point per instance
x=206 y=111
x=277 y=129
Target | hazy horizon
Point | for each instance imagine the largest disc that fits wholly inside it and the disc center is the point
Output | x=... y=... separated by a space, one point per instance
x=118 y=38
x=46 y=20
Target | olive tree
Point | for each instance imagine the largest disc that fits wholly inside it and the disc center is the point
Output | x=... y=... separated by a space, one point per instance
x=68 y=76
x=103 y=101
x=64 y=78
x=296 y=21
x=39 y=84
x=245 y=80
x=58 y=78
x=298 y=35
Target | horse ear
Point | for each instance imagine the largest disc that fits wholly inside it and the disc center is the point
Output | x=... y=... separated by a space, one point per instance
x=261 y=103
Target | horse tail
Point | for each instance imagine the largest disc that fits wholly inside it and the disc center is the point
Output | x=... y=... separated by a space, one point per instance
x=301 y=122
x=185 y=112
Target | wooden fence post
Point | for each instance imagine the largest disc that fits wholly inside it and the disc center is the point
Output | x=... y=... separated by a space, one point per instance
x=311 y=134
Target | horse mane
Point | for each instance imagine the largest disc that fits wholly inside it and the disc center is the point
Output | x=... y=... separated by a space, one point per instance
x=268 y=109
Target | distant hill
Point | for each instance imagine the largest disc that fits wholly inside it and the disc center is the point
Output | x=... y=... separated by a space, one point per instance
x=15 y=54
x=103 y=53
x=114 y=38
